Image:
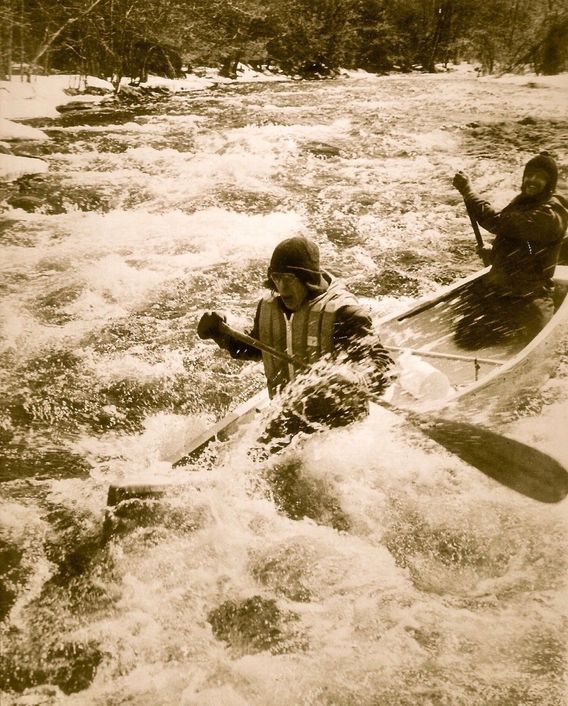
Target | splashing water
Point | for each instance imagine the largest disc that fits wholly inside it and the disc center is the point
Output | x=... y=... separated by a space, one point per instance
x=362 y=566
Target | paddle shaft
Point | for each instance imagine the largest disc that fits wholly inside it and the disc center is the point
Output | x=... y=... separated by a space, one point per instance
x=281 y=355
x=250 y=341
x=516 y=465
x=474 y=225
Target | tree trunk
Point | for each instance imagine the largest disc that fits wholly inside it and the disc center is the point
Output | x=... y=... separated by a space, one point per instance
x=47 y=44
x=229 y=67
x=442 y=25
x=7 y=34
x=22 y=47
x=554 y=52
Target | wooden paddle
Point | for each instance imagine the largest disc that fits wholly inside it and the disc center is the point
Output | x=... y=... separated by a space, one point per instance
x=511 y=463
x=475 y=226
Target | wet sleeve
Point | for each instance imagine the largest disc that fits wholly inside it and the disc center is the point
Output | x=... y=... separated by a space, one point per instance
x=242 y=351
x=353 y=334
x=483 y=212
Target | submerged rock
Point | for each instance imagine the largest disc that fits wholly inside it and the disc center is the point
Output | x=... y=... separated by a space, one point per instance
x=298 y=494
x=135 y=513
x=96 y=116
x=72 y=544
x=73 y=105
x=321 y=149
x=256 y=624
x=71 y=666
x=286 y=569
x=26 y=203
x=11 y=575
x=56 y=196
x=18 y=460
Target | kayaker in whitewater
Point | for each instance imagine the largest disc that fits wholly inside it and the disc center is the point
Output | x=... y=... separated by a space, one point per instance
x=308 y=314
x=516 y=296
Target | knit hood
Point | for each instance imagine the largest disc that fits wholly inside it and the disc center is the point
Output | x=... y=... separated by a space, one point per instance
x=300 y=257
x=546 y=163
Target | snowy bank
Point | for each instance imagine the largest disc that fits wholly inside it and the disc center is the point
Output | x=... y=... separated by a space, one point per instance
x=13 y=167
x=10 y=130
x=20 y=100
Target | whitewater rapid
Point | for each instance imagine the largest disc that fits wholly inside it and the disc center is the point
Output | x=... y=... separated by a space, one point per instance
x=363 y=567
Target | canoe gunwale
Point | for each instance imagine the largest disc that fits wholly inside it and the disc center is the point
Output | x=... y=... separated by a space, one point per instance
x=225 y=426
x=430 y=300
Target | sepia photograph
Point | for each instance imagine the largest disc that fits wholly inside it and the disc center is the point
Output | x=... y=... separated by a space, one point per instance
x=284 y=353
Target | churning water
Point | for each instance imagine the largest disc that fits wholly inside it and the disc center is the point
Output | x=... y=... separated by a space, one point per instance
x=363 y=568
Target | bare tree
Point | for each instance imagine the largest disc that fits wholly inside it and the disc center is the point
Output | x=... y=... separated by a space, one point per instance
x=51 y=37
x=7 y=23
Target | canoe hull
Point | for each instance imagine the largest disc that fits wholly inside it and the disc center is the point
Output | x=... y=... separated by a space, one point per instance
x=481 y=376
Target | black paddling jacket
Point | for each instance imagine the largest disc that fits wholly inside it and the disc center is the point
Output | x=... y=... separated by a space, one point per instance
x=529 y=236
x=329 y=322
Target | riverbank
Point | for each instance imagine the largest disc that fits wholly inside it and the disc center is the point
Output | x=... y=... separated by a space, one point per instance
x=43 y=95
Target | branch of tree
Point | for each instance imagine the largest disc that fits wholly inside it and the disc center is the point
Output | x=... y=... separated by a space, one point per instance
x=48 y=42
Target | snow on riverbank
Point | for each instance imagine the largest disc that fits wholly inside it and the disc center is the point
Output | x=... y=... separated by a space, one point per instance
x=21 y=100
x=13 y=167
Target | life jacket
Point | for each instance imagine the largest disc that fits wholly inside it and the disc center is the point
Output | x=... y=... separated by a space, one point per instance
x=306 y=334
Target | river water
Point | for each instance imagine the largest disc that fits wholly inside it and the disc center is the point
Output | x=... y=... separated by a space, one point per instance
x=364 y=568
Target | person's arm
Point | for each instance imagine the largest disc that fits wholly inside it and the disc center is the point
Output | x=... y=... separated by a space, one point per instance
x=242 y=351
x=480 y=209
x=353 y=334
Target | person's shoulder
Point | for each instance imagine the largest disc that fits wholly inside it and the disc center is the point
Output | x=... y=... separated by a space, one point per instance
x=560 y=200
x=555 y=206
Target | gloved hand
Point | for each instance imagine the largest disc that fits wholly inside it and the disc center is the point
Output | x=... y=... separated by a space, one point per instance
x=461 y=183
x=208 y=326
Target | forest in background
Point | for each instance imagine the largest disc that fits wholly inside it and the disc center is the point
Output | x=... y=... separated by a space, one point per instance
x=131 y=38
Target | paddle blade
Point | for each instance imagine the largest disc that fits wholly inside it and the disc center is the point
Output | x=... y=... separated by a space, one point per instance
x=512 y=463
